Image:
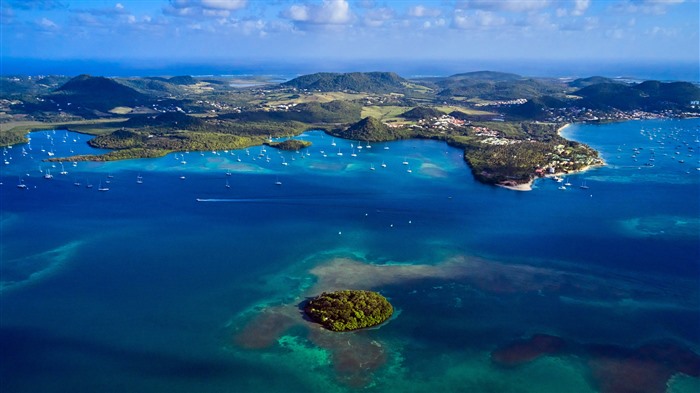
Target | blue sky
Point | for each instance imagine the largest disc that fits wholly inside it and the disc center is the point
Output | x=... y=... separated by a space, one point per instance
x=334 y=31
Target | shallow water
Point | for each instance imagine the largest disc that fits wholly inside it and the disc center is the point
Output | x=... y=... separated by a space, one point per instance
x=145 y=288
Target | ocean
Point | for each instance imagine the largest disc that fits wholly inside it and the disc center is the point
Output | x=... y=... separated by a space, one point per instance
x=190 y=280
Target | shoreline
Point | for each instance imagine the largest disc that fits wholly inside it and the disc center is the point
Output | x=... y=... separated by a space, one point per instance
x=560 y=129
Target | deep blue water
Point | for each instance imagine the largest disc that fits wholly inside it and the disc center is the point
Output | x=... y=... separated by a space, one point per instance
x=143 y=287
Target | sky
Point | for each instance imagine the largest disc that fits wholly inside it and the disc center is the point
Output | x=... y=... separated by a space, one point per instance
x=139 y=34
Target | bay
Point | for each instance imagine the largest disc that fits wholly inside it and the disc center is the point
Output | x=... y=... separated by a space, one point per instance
x=153 y=286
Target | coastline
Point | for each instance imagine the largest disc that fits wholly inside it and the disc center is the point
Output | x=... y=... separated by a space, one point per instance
x=560 y=129
x=518 y=187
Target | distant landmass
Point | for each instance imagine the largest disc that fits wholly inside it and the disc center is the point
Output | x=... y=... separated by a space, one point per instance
x=368 y=82
x=506 y=123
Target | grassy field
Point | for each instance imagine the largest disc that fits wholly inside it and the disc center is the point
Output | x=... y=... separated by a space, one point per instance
x=384 y=113
x=120 y=110
x=286 y=98
x=468 y=111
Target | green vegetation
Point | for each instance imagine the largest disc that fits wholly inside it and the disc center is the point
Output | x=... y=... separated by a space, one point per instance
x=290 y=144
x=368 y=82
x=421 y=112
x=149 y=117
x=498 y=90
x=349 y=309
x=311 y=112
x=98 y=93
x=649 y=95
x=383 y=112
x=369 y=129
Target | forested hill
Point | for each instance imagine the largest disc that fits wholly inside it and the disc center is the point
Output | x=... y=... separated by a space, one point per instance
x=96 y=92
x=649 y=95
x=367 y=82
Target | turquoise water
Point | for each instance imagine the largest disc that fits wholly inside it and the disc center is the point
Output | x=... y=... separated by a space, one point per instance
x=180 y=285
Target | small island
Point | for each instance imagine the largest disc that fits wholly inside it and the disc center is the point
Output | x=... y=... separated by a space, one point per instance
x=290 y=145
x=348 y=309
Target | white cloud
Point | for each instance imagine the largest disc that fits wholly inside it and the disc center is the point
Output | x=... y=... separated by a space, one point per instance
x=504 y=5
x=377 y=17
x=420 y=11
x=47 y=24
x=477 y=19
x=299 y=13
x=230 y=5
x=330 y=12
x=207 y=8
x=656 y=7
x=580 y=7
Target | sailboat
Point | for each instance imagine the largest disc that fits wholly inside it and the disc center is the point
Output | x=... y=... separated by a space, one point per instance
x=100 y=188
x=383 y=164
x=139 y=179
x=371 y=167
x=583 y=186
x=21 y=184
x=63 y=170
x=48 y=175
x=227 y=185
x=278 y=182
x=333 y=142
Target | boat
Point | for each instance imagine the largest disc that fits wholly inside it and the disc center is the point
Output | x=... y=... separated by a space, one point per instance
x=48 y=175
x=332 y=142
x=371 y=167
x=21 y=184
x=139 y=179
x=182 y=177
x=567 y=183
x=562 y=187
x=383 y=164
x=583 y=186
x=100 y=188
x=227 y=185
x=278 y=182
x=63 y=170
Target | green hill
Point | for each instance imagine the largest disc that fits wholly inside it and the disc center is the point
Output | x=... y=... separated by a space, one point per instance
x=649 y=95
x=498 y=90
x=173 y=120
x=337 y=111
x=368 y=129
x=486 y=75
x=182 y=80
x=421 y=112
x=593 y=80
x=95 y=92
x=368 y=82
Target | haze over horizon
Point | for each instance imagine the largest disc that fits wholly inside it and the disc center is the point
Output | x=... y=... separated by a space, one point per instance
x=642 y=38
